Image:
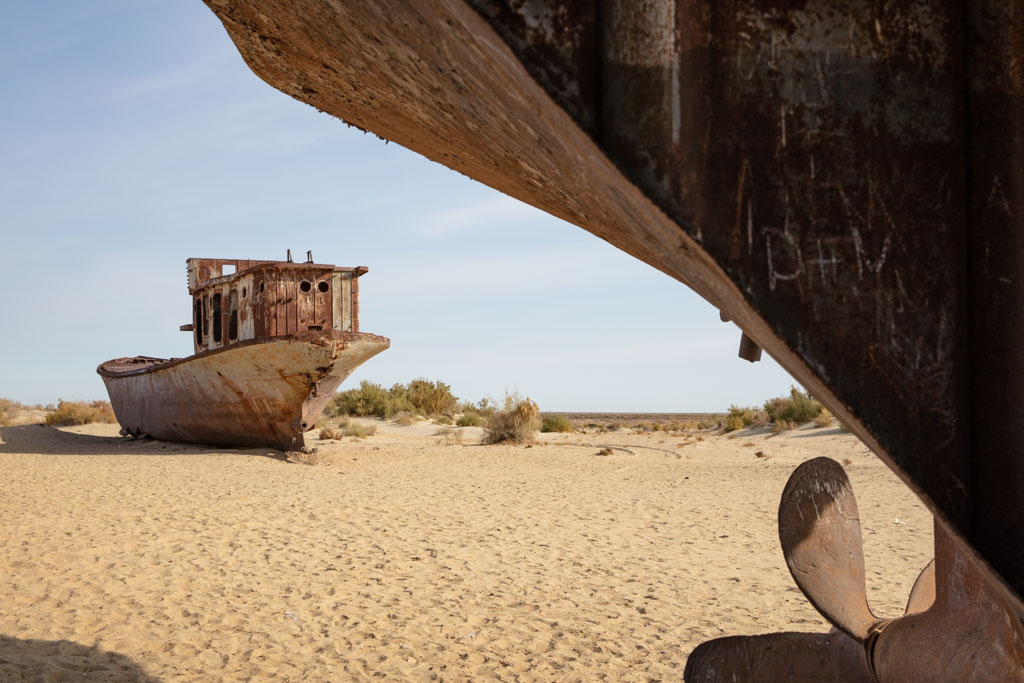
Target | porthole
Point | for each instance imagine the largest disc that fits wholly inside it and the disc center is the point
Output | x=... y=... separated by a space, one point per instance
x=305 y=286
x=322 y=287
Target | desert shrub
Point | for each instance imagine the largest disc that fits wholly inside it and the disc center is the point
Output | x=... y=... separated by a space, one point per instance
x=450 y=436
x=368 y=399
x=471 y=418
x=798 y=408
x=331 y=433
x=604 y=451
x=614 y=427
x=80 y=413
x=739 y=418
x=780 y=426
x=431 y=398
x=402 y=417
x=443 y=420
x=7 y=410
x=485 y=407
x=824 y=418
x=349 y=428
x=516 y=422
x=556 y=422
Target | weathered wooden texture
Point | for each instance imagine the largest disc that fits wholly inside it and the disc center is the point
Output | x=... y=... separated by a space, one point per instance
x=842 y=178
x=263 y=392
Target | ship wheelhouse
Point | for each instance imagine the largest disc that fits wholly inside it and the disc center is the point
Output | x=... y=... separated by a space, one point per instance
x=236 y=300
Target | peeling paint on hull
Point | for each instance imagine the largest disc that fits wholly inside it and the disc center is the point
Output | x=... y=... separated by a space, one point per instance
x=265 y=392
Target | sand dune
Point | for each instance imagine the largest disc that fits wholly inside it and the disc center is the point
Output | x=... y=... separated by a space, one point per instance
x=402 y=559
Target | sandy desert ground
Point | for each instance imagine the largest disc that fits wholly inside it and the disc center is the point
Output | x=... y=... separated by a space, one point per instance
x=399 y=558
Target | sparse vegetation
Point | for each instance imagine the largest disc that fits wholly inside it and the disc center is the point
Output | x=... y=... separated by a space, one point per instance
x=824 y=418
x=419 y=396
x=516 y=422
x=80 y=413
x=604 y=451
x=450 y=436
x=847 y=462
x=330 y=433
x=740 y=418
x=797 y=409
x=443 y=420
x=762 y=455
x=470 y=418
x=556 y=422
x=780 y=426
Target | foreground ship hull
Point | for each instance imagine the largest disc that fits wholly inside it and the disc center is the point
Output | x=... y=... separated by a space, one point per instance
x=263 y=392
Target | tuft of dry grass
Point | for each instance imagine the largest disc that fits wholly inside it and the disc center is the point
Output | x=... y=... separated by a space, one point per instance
x=783 y=426
x=516 y=423
x=847 y=462
x=824 y=418
x=604 y=451
x=449 y=436
x=81 y=413
x=310 y=457
x=762 y=455
x=403 y=417
x=331 y=433
x=443 y=420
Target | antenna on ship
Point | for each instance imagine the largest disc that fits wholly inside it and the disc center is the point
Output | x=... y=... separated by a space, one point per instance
x=309 y=256
x=289 y=256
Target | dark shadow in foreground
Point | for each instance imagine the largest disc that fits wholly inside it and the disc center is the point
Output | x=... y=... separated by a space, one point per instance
x=40 y=438
x=63 y=660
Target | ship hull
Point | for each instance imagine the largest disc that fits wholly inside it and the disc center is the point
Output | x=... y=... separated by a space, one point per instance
x=263 y=392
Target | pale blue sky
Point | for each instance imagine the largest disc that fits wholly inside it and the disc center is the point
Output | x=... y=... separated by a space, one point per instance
x=133 y=136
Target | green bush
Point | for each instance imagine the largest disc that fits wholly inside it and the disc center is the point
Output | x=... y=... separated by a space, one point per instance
x=797 y=409
x=403 y=417
x=471 y=418
x=556 y=422
x=368 y=399
x=431 y=398
x=516 y=422
x=739 y=418
x=80 y=413
x=420 y=397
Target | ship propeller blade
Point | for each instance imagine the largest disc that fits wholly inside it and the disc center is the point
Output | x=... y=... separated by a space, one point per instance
x=819 y=529
x=810 y=657
x=922 y=595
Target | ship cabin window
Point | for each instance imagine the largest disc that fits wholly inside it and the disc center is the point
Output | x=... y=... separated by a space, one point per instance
x=323 y=286
x=243 y=292
x=217 y=324
x=199 y=321
x=305 y=286
x=262 y=285
x=233 y=317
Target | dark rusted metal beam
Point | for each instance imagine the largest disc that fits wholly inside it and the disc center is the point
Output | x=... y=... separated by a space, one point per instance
x=842 y=178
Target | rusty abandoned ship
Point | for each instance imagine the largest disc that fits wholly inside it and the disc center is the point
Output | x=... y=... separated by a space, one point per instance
x=273 y=340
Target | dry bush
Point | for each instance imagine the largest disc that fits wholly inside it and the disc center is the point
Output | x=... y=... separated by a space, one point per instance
x=471 y=418
x=80 y=413
x=614 y=427
x=7 y=410
x=349 y=428
x=517 y=422
x=704 y=424
x=783 y=426
x=443 y=420
x=310 y=457
x=739 y=418
x=798 y=408
x=604 y=451
x=403 y=417
x=330 y=433
x=556 y=422
x=762 y=455
x=450 y=436
x=847 y=462
x=824 y=418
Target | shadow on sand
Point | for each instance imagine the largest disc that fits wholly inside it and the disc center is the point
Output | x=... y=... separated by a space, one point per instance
x=40 y=438
x=63 y=660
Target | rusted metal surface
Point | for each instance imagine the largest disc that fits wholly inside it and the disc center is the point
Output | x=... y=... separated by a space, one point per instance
x=843 y=179
x=273 y=342
x=957 y=627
